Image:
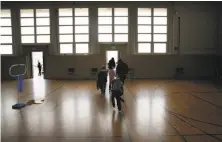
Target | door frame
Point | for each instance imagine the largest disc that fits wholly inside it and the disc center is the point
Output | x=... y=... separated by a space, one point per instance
x=118 y=52
x=32 y=66
x=27 y=51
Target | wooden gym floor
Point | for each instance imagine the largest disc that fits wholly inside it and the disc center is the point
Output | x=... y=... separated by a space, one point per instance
x=74 y=111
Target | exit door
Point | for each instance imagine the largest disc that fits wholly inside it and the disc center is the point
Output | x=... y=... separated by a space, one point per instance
x=112 y=54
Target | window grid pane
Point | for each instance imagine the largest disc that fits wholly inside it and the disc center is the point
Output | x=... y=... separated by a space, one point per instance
x=144 y=20
x=6 y=49
x=6 y=39
x=42 y=21
x=104 y=11
x=5 y=13
x=66 y=38
x=43 y=39
x=121 y=20
x=27 y=21
x=6 y=30
x=65 y=12
x=144 y=29
x=159 y=12
x=121 y=29
x=120 y=11
x=81 y=12
x=42 y=12
x=65 y=21
x=105 y=29
x=43 y=30
x=28 y=39
x=81 y=38
x=65 y=29
x=160 y=20
x=66 y=48
x=159 y=47
x=159 y=37
x=82 y=48
x=27 y=30
x=27 y=12
x=105 y=20
x=144 y=37
x=5 y=22
x=159 y=29
x=144 y=12
x=144 y=48
x=81 y=20
x=121 y=38
x=105 y=37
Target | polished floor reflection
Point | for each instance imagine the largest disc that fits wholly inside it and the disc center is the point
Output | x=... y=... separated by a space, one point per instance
x=74 y=111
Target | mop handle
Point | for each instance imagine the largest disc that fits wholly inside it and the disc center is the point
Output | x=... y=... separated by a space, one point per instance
x=15 y=65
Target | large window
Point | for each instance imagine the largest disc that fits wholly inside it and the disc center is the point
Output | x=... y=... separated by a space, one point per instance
x=152 y=30
x=35 y=25
x=74 y=32
x=113 y=25
x=6 y=32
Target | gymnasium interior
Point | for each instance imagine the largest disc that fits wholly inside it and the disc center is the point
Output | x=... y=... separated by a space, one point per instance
x=173 y=89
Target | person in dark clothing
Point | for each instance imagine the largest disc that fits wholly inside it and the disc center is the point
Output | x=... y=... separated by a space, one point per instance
x=112 y=63
x=39 y=67
x=102 y=79
x=117 y=92
x=122 y=70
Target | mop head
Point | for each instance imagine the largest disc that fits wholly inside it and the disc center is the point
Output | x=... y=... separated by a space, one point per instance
x=18 y=106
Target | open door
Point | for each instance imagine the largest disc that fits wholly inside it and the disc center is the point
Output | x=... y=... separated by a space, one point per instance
x=34 y=54
x=37 y=57
x=112 y=54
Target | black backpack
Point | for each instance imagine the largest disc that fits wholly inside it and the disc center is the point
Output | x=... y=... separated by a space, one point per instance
x=125 y=68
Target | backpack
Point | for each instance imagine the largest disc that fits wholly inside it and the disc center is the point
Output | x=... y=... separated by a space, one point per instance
x=117 y=85
x=125 y=68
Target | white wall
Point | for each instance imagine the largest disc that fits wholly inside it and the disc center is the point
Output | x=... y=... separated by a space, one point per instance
x=198 y=27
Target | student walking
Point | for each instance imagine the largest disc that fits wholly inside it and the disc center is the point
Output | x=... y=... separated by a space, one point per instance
x=117 y=91
x=101 y=80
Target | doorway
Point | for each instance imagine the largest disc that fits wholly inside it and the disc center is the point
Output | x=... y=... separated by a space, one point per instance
x=112 y=54
x=37 y=56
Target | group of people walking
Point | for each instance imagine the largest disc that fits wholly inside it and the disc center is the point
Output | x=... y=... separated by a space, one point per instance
x=117 y=75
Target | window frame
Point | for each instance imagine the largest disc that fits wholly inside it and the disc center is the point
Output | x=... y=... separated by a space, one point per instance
x=11 y=35
x=113 y=25
x=152 y=42
x=35 y=26
x=73 y=25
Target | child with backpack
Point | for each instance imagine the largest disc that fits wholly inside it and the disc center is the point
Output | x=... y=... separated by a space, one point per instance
x=117 y=92
x=101 y=80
